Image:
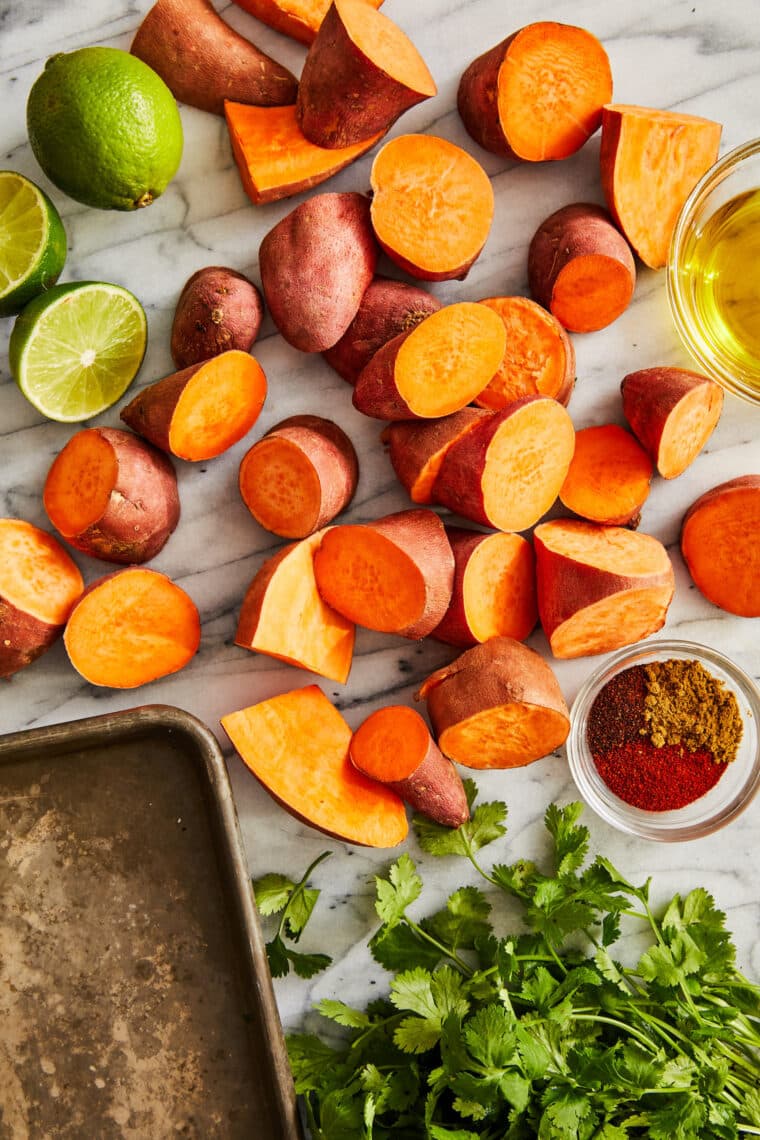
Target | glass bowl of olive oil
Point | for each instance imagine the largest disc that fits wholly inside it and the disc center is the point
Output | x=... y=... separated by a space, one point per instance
x=714 y=272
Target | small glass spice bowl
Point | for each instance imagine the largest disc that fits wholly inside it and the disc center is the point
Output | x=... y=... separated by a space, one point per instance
x=712 y=270
x=723 y=802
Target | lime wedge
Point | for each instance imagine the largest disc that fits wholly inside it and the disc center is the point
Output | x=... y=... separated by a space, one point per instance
x=32 y=242
x=75 y=350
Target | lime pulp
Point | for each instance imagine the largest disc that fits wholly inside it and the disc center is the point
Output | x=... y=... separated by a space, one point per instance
x=32 y=242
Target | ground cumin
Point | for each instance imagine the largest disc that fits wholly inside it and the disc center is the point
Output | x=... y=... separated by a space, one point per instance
x=686 y=705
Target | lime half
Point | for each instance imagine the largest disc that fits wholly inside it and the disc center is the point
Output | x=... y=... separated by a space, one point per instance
x=75 y=350
x=32 y=242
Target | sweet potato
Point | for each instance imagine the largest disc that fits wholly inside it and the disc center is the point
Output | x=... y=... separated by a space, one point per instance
x=112 y=495
x=203 y=61
x=284 y=616
x=394 y=746
x=416 y=448
x=432 y=206
x=274 y=157
x=393 y=575
x=719 y=544
x=387 y=309
x=498 y=705
x=300 y=19
x=580 y=268
x=361 y=73
x=130 y=628
x=436 y=368
x=609 y=476
x=539 y=358
x=599 y=587
x=39 y=585
x=507 y=470
x=203 y=410
x=218 y=309
x=672 y=413
x=538 y=94
x=315 y=266
x=301 y=475
x=494 y=592
x=296 y=745
x=650 y=162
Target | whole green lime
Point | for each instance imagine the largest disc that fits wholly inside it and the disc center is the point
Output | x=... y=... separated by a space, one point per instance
x=104 y=128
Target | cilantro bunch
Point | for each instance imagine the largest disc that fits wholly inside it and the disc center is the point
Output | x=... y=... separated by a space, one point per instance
x=541 y=1033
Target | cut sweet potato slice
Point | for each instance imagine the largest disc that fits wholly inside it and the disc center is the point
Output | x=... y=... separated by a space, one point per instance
x=599 y=587
x=609 y=476
x=130 y=628
x=507 y=470
x=498 y=705
x=432 y=206
x=296 y=745
x=494 y=593
x=394 y=746
x=393 y=575
x=672 y=413
x=435 y=369
x=539 y=358
x=719 y=543
x=416 y=448
x=284 y=616
x=650 y=162
x=299 y=19
x=274 y=157
x=361 y=73
x=538 y=94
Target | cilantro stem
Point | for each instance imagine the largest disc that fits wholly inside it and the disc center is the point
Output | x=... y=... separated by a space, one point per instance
x=298 y=891
x=626 y=1028
x=447 y=951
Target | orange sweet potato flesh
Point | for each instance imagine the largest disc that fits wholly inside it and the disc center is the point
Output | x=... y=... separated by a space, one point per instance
x=361 y=73
x=609 y=476
x=299 y=476
x=498 y=705
x=494 y=592
x=39 y=585
x=112 y=495
x=274 y=157
x=284 y=616
x=300 y=19
x=296 y=745
x=538 y=94
x=416 y=448
x=203 y=410
x=507 y=471
x=203 y=61
x=130 y=628
x=599 y=587
x=650 y=162
x=393 y=575
x=719 y=543
x=581 y=268
x=539 y=359
x=432 y=206
x=394 y=746
x=672 y=413
x=437 y=368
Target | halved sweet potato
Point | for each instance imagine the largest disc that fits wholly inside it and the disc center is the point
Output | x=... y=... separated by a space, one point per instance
x=599 y=587
x=720 y=545
x=609 y=476
x=300 y=19
x=539 y=358
x=416 y=448
x=672 y=413
x=498 y=705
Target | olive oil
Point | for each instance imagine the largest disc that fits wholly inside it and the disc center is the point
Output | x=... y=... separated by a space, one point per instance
x=722 y=261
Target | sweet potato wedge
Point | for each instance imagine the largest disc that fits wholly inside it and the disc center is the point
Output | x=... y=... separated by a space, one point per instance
x=719 y=543
x=416 y=448
x=498 y=705
x=672 y=413
x=218 y=309
x=299 y=19
x=609 y=476
x=599 y=587
x=539 y=359
x=296 y=745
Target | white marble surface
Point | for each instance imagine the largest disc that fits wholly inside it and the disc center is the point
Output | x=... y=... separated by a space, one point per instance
x=693 y=55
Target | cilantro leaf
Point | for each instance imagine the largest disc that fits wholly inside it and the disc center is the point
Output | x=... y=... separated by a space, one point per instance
x=398 y=891
x=486 y=824
x=463 y=921
x=343 y=1014
x=432 y=997
x=570 y=840
x=272 y=892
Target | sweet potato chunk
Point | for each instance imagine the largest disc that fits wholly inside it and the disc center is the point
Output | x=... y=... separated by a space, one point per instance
x=599 y=587
x=498 y=705
x=539 y=358
x=609 y=476
x=300 y=19
x=296 y=745
x=719 y=543
x=672 y=413
x=416 y=448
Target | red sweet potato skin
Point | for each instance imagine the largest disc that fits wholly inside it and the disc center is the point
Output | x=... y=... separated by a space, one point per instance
x=150 y=412
x=375 y=391
x=23 y=638
x=477 y=100
x=435 y=789
x=422 y=536
x=413 y=443
x=218 y=309
x=649 y=397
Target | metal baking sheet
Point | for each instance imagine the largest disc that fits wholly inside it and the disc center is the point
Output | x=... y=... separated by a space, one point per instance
x=135 y=999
